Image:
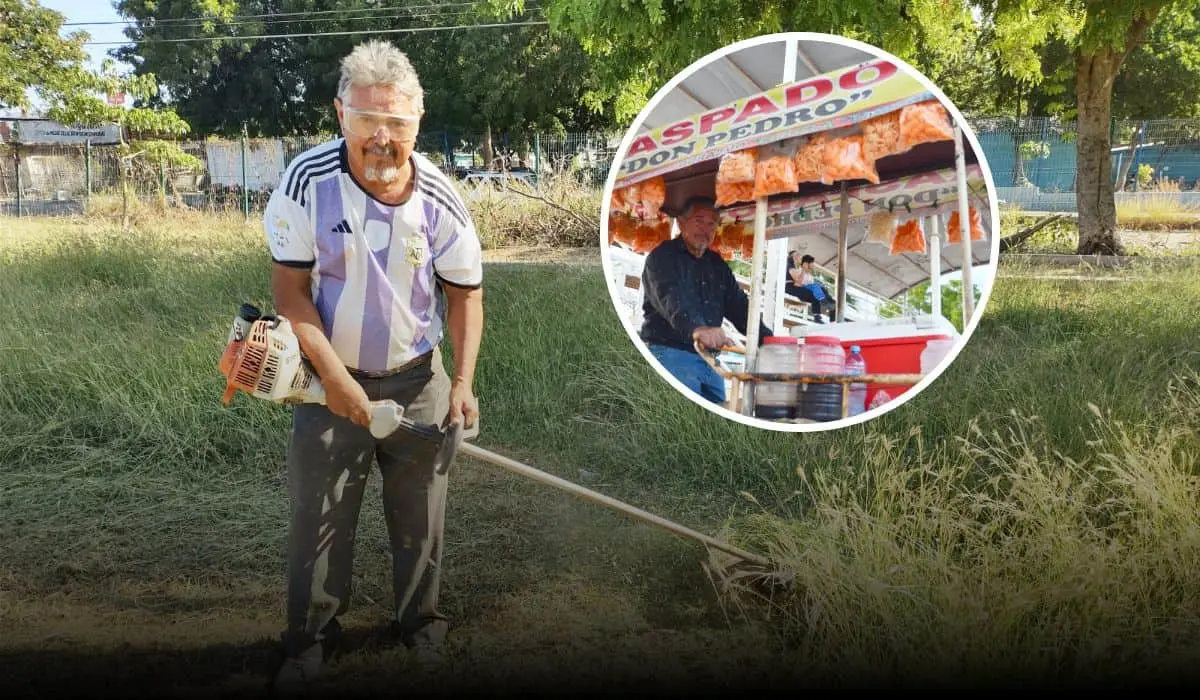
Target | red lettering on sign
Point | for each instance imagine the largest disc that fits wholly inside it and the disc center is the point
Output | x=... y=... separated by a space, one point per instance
x=756 y=106
x=642 y=145
x=707 y=121
x=801 y=93
x=677 y=132
x=872 y=73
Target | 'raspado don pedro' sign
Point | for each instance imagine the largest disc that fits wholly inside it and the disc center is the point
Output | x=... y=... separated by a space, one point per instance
x=828 y=101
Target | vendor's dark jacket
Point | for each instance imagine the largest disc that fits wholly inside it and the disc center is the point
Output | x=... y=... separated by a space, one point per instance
x=683 y=293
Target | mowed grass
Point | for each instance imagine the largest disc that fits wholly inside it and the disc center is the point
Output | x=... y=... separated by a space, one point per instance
x=140 y=511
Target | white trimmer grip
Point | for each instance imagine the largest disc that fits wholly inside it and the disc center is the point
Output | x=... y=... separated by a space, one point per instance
x=386 y=416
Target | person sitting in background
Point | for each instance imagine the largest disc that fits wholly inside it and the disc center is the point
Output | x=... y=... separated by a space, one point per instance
x=802 y=285
x=689 y=292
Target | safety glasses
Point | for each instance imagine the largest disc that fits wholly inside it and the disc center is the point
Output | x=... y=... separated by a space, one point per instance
x=365 y=124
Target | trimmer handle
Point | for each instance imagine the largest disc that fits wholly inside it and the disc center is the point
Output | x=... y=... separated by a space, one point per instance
x=387 y=416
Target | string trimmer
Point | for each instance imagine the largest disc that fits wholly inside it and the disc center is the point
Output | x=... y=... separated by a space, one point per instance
x=262 y=358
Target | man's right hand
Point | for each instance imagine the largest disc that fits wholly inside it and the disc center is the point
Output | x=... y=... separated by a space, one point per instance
x=710 y=337
x=346 y=398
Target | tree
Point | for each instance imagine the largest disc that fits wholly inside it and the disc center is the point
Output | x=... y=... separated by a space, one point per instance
x=506 y=78
x=33 y=54
x=920 y=297
x=636 y=46
x=1099 y=35
x=145 y=125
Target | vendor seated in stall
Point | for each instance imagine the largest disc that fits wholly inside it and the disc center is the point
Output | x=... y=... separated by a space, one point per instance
x=689 y=291
x=802 y=285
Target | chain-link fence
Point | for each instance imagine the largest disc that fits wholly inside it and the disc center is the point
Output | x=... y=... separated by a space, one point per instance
x=240 y=174
x=1032 y=161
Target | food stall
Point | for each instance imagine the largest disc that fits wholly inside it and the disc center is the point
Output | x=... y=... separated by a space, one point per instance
x=858 y=165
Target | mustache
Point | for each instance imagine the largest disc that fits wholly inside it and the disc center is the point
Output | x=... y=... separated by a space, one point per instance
x=376 y=150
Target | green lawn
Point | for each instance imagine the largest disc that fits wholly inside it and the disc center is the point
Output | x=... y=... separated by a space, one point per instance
x=145 y=522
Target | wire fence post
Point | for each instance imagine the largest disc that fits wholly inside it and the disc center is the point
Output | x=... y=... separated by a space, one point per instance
x=17 y=157
x=87 y=171
x=245 y=175
x=537 y=159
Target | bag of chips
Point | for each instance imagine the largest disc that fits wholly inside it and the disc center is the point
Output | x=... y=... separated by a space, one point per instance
x=621 y=199
x=924 y=122
x=737 y=166
x=729 y=240
x=810 y=155
x=954 y=226
x=774 y=171
x=909 y=238
x=881 y=228
x=844 y=160
x=650 y=197
x=881 y=136
x=748 y=246
x=733 y=192
x=622 y=229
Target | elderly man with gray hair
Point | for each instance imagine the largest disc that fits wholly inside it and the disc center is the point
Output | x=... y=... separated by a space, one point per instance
x=372 y=249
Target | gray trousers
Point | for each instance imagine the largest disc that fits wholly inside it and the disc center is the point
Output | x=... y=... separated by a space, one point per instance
x=328 y=461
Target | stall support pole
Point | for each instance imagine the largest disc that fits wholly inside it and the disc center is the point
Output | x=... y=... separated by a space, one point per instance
x=935 y=264
x=964 y=223
x=777 y=249
x=843 y=248
x=756 y=289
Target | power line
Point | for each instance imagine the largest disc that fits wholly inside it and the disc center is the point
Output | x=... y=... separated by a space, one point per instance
x=194 y=20
x=408 y=30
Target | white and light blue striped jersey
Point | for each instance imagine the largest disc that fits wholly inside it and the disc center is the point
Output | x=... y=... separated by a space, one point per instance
x=376 y=268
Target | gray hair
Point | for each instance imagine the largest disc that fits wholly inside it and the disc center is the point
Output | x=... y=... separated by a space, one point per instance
x=380 y=63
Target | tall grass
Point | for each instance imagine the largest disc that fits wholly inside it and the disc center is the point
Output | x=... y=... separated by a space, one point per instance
x=994 y=556
x=995 y=521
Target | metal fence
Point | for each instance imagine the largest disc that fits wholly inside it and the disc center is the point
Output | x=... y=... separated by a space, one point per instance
x=240 y=174
x=1032 y=161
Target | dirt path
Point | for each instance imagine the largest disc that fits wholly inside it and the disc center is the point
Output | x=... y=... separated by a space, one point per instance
x=532 y=254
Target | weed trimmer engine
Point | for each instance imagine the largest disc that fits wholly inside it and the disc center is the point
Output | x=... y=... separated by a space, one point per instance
x=262 y=358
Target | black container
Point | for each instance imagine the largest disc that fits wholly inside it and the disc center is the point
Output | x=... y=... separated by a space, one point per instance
x=249 y=313
x=821 y=402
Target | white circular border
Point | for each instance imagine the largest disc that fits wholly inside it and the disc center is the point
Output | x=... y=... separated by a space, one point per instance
x=916 y=389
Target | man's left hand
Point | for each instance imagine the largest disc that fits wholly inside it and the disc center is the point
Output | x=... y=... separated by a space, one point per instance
x=464 y=408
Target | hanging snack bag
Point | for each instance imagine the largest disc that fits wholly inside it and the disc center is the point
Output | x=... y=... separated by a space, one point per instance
x=881 y=228
x=924 y=122
x=810 y=155
x=650 y=197
x=774 y=171
x=622 y=229
x=734 y=192
x=844 y=160
x=735 y=177
x=748 y=245
x=622 y=198
x=881 y=136
x=954 y=227
x=909 y=238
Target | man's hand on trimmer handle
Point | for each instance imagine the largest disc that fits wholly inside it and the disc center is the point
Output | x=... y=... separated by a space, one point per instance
x=464 y=407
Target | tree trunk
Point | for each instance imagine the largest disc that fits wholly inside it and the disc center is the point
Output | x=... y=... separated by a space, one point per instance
x=1094 y=191
x=488 y=152
x=1126 y=163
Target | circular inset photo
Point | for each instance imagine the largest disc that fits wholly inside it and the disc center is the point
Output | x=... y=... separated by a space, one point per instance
x=790 y=227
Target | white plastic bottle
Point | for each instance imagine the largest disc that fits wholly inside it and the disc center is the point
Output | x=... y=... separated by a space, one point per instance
x=856 y=364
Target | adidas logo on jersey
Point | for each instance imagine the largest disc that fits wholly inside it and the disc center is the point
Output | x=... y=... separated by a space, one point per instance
x=342 y=227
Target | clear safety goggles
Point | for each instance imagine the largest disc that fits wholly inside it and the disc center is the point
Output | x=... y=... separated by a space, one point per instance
x=365 y=124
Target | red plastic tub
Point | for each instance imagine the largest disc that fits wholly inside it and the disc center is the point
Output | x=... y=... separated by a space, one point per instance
x=892 y=356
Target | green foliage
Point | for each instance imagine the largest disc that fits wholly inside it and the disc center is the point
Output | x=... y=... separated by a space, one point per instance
x=919 y=297
x=32 y=53
x=510 y=78
x=635 y=46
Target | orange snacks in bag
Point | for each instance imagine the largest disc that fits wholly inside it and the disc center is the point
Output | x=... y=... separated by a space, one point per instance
x=737 y=166
x=651 y=195
x=844 y=160
x=954 y=226
x=774 y=171
x=881 y=228
x=621 y=229
x=881 y=136
x=909 y=238
x=924 y=122
x=734 y=192
x=810 y=155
